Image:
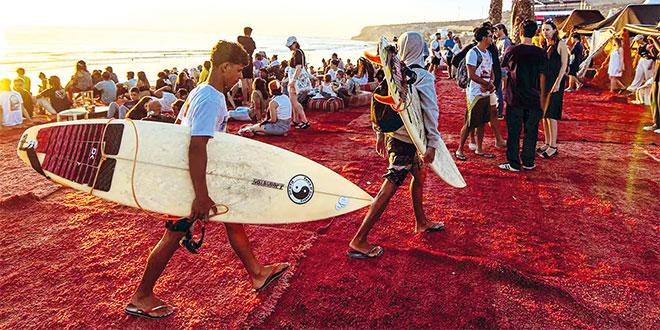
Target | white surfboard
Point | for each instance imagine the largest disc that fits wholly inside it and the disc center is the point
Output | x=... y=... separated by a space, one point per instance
x=412 y=117
x=260 y=183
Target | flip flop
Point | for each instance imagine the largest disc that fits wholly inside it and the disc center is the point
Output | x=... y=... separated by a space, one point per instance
x=437 y=226
x=460 y=157
x=135 y=311
x=485 y=155
x=272 y=277
x=371 y=254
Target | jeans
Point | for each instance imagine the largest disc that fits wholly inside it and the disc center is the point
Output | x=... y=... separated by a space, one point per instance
x=516 y=118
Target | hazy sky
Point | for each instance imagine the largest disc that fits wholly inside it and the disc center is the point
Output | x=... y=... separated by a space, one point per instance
x=336 y=19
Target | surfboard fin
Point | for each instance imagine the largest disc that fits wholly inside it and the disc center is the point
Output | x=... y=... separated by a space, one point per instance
x=375 y=59
x=385 y=99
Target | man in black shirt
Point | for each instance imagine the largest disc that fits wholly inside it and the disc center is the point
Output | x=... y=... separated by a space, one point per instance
x=248 y=72
x=526 y=65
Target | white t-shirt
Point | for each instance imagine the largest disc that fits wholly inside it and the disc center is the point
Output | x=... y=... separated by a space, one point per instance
x=327 y=88
x=205 y=111
x=12 y=108
x=283 y=107
x=484 y=71
x=166 y=101
x=274 y=63
x=130 y=83
x=436 y=44
x=333 y=74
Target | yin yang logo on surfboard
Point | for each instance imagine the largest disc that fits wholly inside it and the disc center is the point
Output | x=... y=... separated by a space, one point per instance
x=300 y=189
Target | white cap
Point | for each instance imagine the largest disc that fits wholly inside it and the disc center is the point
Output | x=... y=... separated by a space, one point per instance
x=290 y=41
x=638 y=37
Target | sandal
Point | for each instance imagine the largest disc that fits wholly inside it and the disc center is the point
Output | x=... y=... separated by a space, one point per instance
x=375 y=252
x=543 y=148
x=485 y=155
x=460 y=157
x=135 y=311
x=545 y=154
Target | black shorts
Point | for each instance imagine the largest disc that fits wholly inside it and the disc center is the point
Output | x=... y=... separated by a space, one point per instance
x=403 y=158
x=435 y=60
x=449 y=59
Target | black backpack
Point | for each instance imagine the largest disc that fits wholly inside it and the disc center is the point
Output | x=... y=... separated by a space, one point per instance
x=383 y=118
x=462 y=76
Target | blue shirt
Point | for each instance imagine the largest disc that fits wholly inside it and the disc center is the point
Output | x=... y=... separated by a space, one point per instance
x=449 y=43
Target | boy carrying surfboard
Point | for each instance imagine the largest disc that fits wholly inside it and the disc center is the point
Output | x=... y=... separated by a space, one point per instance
x=205 y=111
x=403 y=155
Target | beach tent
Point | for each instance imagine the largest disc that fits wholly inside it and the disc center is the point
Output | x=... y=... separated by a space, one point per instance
x=642 y=29
x=602 y=32
x=579 y=18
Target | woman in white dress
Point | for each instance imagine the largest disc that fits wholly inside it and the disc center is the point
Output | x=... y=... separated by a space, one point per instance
x=615 y=69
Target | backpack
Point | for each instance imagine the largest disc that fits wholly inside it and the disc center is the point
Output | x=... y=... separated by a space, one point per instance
x=462 y=76
x=383 y=118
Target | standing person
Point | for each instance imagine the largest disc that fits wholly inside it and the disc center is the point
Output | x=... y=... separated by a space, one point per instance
x=299 y=82
x=458 y=46
x=503 y=43
x=655 y=91
x=554 y=87
x=26 y=80
x=574 y=63
x=205 y=112
x=448 y=46
x=479 y=92
x=435 y=51
x=403 y=156
x=615 y=68
x=113 y=76
x=524 y=95
x=644 y=69
x=248 y=73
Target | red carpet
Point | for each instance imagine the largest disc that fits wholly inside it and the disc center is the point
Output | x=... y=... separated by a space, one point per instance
x=573 y=244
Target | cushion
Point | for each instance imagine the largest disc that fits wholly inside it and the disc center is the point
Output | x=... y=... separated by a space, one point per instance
x=331 y=104
x=369 y=87
x=359 y=99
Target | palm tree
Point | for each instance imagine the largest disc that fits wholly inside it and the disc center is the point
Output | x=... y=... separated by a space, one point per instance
x=521 y=10
x=495 y=13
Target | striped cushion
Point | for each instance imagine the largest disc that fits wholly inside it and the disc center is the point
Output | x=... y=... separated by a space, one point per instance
x=326 y=104
x=369 y=87
x=359 y=99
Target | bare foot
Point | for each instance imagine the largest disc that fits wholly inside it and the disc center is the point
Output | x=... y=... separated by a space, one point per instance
x=363 y=247
x=148 y=302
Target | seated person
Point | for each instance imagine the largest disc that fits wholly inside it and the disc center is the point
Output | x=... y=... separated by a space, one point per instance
x=278 y=121
x=28 y=100
x=235 y=94
x=257 y=111
x=107 y=89
x=140 y=109
x=347 y=87
x=182 y=94
x=154 y=113
x=327 y=89
x=332 y=71
x=54 y=99
x=176 y=106
x=163 y=80
x=166 y=98
x=274 y=62
x=11 y=106
x=120 y=108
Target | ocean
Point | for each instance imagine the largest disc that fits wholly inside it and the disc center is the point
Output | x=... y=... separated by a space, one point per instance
x=55 y=51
